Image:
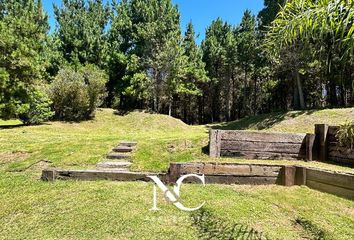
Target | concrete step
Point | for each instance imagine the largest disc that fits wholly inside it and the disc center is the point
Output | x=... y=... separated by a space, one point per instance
x=114 y=164
x=123 y=149
x=115 y=155
x=128 y=143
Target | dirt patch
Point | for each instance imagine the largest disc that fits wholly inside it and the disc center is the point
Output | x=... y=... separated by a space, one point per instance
x=39 y=166
x=179 y=146
x=9 y=157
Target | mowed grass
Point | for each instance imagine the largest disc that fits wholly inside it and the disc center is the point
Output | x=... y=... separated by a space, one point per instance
x=33 y=209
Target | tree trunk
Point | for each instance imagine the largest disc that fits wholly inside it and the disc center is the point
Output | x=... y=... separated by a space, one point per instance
x=245 y=93
x=170 y=106
x=229 y=98
x=255 y=97
x=299 y=89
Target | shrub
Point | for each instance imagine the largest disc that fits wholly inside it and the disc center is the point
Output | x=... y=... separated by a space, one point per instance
x=77 y=94
x=37 y=110
x=345 y=135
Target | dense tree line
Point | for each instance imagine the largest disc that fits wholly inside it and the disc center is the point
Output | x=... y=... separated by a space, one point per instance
x=294 y=55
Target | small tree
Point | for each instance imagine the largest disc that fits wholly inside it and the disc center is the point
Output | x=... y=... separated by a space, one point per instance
x=38 y=109
x=77 y=94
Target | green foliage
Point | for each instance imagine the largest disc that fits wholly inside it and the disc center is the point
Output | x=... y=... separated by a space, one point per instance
x=38 y=109
x=307 y=31
x=269 y=12
x=76 y=94
x=316 y=21
x=23 y=27
x=81 y=30
x=345 y=135
x=157 y=69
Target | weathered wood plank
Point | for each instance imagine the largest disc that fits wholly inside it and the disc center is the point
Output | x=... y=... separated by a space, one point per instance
x=341 y=152
x=332 y=130
x=241 y=145
x=300 y=176
x=229 y=169
x=214 y=143
x=117 y=156
x=323 y=187
x=128 y=144
x=262 y=155
x=321 y=141
x=92 y=175
x=240 y=180
x=262 y=136
x=112 y=164
x=310 y=141
x=287 y=175
x=231 y=179
x=122 y=149
x=327 y=177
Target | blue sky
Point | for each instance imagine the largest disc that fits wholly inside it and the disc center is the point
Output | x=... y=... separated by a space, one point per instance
x=201 y=12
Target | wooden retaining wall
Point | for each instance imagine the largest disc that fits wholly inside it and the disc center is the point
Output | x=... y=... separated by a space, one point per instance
x=322 y=145
x=228 y=173
x=340 y=184
x=336 y=183
x=331 y=150
x=261 y=145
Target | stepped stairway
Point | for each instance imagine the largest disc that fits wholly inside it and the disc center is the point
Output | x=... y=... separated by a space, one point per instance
x=119 y=158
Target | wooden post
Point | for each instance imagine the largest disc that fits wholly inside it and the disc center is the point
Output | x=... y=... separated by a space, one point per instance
x=310 y=140
x=214 y=143
x=300 y=176
x=173 y=173
x=321 y=141
x=48 y=175
x=288 y=175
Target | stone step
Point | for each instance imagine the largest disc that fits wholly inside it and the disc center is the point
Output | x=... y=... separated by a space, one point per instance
x=122 y=149
x=128 y=143
x=115 y=155
x=115 y=165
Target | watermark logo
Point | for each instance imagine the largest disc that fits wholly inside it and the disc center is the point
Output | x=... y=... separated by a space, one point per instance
x=173 y=196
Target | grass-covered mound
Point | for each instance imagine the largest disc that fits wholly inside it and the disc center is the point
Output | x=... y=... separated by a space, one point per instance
x=161 y=139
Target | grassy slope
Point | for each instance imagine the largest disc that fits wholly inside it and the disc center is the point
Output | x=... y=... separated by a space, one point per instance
x=294 y=122
x=84 y=144
x=85 y=210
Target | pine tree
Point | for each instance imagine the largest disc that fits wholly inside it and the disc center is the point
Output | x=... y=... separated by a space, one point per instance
x=146 y=33
x=195 y=79
x=81 y=30
x=247 y=47
x=215 y=58
x=23 y=27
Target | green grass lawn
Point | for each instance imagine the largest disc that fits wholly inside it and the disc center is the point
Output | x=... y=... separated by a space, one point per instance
x=32 y=209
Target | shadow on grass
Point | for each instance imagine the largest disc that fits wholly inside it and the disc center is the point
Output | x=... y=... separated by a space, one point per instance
x=311 y=229
x=211 y=227
x=20 y=125
x=11 y=126
x=124 y=112
x=260 y=122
